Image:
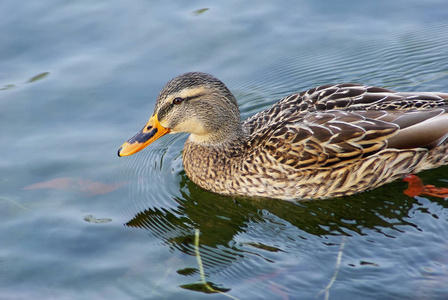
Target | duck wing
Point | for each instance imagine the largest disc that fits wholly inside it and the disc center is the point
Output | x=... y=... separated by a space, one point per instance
x=328 y=125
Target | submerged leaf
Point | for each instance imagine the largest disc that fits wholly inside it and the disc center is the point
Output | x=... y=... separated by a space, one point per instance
x=200 y=11
x=188 y=271
x=8 y=87
x=92 y=219
x=201 y=287
x=38 y=77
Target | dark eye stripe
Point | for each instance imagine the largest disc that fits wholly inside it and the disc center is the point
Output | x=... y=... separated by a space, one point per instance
x=194 y=97
x=178 y=100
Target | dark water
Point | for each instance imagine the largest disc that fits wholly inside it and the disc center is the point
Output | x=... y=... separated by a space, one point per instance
x=78 y=78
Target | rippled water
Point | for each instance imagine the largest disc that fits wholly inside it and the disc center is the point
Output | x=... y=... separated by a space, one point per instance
x=77 y=222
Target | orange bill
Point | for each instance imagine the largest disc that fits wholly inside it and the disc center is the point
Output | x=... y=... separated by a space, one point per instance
x=151 y=132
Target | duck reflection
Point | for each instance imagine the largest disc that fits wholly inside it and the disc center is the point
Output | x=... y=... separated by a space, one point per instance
x=221 y=218
x=236 y=232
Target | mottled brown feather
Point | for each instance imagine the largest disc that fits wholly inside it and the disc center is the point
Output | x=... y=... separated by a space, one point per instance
x=329 y=141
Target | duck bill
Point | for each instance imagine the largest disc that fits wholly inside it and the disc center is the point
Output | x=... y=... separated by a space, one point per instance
x=151 y=132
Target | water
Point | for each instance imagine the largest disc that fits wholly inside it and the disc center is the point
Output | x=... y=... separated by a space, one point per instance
x=78 y=78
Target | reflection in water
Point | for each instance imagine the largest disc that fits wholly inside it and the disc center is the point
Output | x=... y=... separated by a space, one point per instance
x=78 y=185
x=271 y=226
x=220 y=218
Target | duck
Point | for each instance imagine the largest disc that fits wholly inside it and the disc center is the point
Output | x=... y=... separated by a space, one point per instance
x=326 y=142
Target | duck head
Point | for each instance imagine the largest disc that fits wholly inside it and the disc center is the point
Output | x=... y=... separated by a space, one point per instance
x=195 y=103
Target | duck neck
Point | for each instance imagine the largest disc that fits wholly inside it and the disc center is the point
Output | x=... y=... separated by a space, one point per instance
x=211 y=164
x=231 y=134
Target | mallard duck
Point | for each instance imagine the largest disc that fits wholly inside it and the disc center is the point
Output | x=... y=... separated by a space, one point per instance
x=326 y=142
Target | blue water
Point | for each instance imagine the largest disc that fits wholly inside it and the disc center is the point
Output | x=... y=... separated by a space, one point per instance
x=79 y=78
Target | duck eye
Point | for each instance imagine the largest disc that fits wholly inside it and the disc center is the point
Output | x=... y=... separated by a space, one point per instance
x=177 y=100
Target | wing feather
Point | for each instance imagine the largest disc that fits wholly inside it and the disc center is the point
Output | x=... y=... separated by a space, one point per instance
x=334 y=124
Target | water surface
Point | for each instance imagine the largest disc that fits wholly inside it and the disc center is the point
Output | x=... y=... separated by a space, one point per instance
x=77 y=79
